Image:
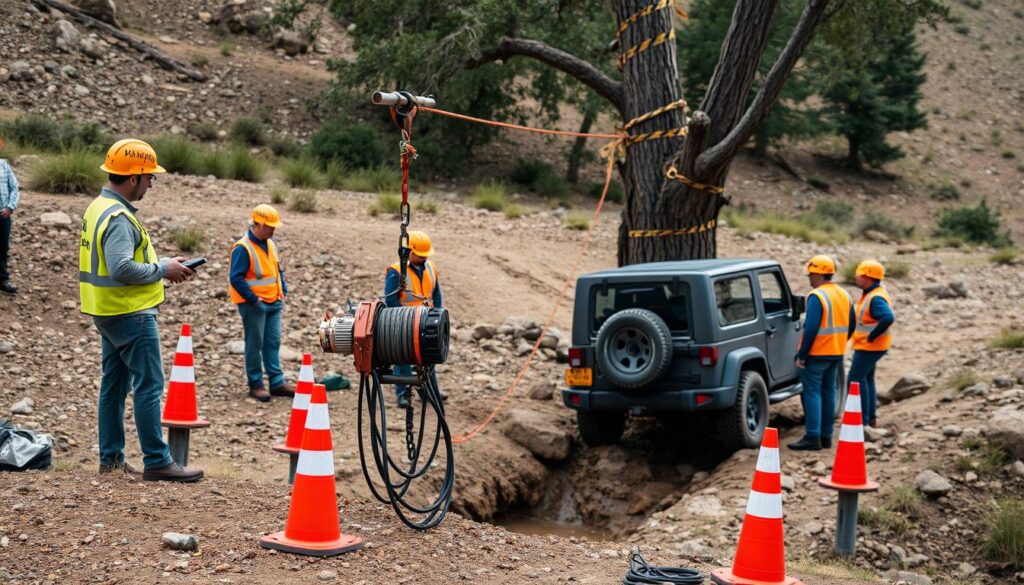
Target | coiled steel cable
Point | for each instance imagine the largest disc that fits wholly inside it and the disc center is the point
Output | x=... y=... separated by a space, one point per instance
x=641 y=573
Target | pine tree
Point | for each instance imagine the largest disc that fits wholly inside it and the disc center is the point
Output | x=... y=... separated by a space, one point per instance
x=868 y=102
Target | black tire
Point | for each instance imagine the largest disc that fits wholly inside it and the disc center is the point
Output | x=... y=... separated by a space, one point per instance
x=602 y=427
x=742 y=425
x=634 y=348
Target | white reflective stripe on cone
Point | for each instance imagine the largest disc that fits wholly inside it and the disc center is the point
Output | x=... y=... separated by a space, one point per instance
x=315 y=463
x=316 y=418
x=306 y=373
x=851 y=433
x=301 y=401
x=764 y=505
x=768 y=460
x=185 y=344
x=184 y=374
x=852 y=403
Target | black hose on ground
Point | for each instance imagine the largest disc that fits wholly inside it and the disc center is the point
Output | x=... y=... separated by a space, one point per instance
x=640 y=573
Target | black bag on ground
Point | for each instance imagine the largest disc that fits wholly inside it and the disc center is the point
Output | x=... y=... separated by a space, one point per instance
x=23 y=449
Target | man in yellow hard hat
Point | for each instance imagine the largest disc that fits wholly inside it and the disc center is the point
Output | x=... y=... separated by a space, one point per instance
x=422 y=288
x=872 y=336
x=827 y=329
x=120 y=285
x=258 y=288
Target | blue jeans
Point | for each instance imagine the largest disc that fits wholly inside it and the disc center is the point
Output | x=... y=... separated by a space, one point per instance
x=819 y=396
x=131 y=361
x=863 y=371
x=5 y=245
x=262 y=326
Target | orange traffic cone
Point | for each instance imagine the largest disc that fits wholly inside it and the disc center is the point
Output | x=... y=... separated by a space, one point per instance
x=760 y=555
x=300 y=404
x=180 y=409
x=850 y=468
x=313 y=527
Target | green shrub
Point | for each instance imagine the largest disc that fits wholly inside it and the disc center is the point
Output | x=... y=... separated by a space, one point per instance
x=896 y=269
x=615 y=191
x=73 y=171
x=214 y=162
x=1006 y=256
x=387 y=203
x=178 y=155
x=551 y=186
x=248 y=130
x=978 y=225
x=285 y=148
x=946 y=193
x=972 y=443
x=204 y=131
x=834 y=211
x=490 y=195
x=334 y=175
x=374 y=179
x=358 y=146
x=963 y=378
x=303 y=201
x=227 y=47
x=45 y=133
x=300 y=172
x=975 y=4
x=848 y=271
x=905 y=500
x=883 y=520
x=243 y=166
x=876 y=222
x=514 y=211
x=279 y=194
x=526 y=172
x=1005 y=540
x=427 y=206
x=1009 y=154
x=576 y=221
x=802 y=228
x=1009 y=339
x=188 y=239
x=198 y=59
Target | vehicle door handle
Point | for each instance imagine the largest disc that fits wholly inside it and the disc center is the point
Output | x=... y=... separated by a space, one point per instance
x=771 y=330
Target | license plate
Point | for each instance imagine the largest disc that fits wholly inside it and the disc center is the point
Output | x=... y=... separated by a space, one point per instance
x=579 y=377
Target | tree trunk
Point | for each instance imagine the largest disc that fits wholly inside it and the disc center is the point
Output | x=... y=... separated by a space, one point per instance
x=572 y=175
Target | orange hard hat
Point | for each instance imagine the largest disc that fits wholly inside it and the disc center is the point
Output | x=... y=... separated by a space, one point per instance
x=419 y=243
x=821 y=264
x=131 y=156
x=871 y=269
x=266 y=215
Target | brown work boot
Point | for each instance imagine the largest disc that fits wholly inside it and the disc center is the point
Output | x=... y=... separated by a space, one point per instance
x=121 y=467
x=173 y=472
x=259 y=394
x=285 y=389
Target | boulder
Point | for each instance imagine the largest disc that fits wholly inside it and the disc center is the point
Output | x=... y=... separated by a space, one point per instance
x=540 y=433
x=6 y=347
x=541 y=391
x=1005 y=428
x=23 y=406
x=292 y=42
x=695 y=550
x=1002 y=381
x=483 y=331
x=236 y=347
x=932 y=484
x=907 y=386
x=954 y=290
x=101 y=10
x=178 y=541
x=240 y=16
x=708 y=506
x=57 y=218
x=91 y=47
x=1018 y=374
x=907 y=577
x=66 y=36
x=22 y=71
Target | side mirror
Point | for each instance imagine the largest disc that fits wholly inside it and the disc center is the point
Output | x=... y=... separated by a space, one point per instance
x=799 y=307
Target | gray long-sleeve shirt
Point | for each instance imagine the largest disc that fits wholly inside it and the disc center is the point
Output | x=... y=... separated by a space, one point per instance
x=120 y=241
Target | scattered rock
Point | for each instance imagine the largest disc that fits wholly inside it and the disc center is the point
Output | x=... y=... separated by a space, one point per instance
x=954 y=290
x=1002 y=381
x=524 y=347
x=788 y=484
x=57 y=218
x=66 y=36
x=204 y=17
x=5 y=542
x=540 y=433
x=542 y=391
x=1005 y=428
x=695 y=550
x=236 y=347
x=482 y=331
x=1019 y=375
x=908 y=249
x=966 y=569
x=979 y=389
x=178 y=541
x=287 y=354
x=951 y=431
x=970 y=477
x=293 y=42
x=102 y=10
x=907 y=577
x=6 y=347
x=932 y=484
x=705 y=505
x=1018 y=468
x=813 y=527
x=873 y=434
x=907 y=386
x=326 y=575
x=243 y=16
x=23 y=406
x=22 y=71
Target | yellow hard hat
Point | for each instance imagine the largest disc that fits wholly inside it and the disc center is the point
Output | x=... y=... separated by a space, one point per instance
x=266 y=215
x=821 y=264
x=420 y=244
x=871 y=269
x=131 y=156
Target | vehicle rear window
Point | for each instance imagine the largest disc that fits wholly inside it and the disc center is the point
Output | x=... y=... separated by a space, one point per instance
x=670 y=301
x=735 y=300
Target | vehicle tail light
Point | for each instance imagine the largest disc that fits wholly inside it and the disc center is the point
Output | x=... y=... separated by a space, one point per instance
x=575 y=399
x=575 y=357
x=708 y=356
x=703 y=399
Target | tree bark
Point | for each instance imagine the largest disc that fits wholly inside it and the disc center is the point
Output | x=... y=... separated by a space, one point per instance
x=572 y=174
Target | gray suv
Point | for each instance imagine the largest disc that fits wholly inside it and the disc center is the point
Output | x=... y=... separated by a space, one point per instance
x=715 y=338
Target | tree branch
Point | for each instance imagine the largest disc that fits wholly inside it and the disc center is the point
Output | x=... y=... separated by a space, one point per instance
x=583 y=71
x=721 y=153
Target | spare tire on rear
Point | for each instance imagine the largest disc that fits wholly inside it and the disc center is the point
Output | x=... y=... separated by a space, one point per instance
x=634 y=348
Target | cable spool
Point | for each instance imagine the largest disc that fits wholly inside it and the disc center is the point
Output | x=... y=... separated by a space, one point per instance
x=400 y=335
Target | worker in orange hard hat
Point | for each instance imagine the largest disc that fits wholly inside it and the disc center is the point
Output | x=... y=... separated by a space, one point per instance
x=827 y=328
x=257 y=287
x=873 y=335
x=422 y=288
x=120 y=286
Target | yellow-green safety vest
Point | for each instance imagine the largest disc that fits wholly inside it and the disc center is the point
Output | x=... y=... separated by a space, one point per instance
x=100 y=294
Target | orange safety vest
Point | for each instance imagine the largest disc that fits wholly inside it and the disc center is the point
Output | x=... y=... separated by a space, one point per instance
x=866 y=323
x=835 y=320
x=264 y=275
x=417 y=287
